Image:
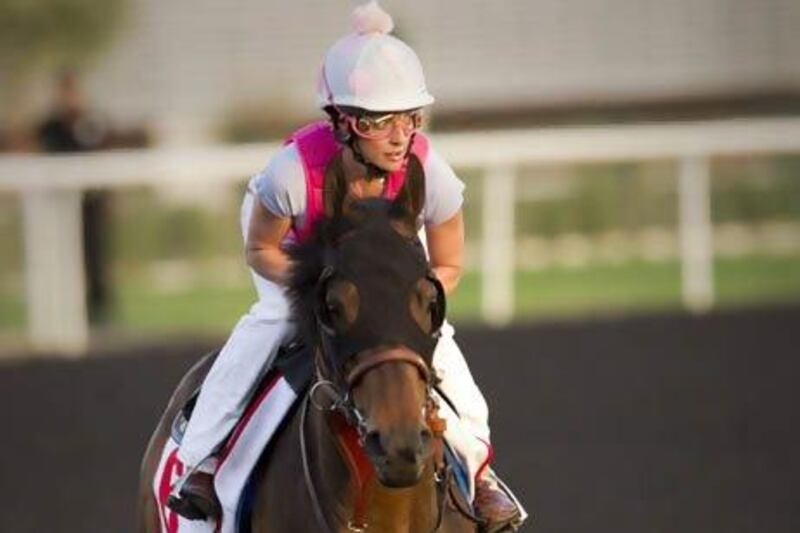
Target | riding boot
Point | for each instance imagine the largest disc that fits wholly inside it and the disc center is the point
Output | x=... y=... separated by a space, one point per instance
x=194 y=498
x=495 y=506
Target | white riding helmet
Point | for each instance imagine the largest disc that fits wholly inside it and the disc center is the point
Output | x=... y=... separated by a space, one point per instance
x=371 y=69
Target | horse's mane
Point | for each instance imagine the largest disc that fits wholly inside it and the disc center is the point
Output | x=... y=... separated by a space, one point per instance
x=308 y=259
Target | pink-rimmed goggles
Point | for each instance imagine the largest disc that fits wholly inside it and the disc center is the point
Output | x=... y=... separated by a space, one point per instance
x=376 y=126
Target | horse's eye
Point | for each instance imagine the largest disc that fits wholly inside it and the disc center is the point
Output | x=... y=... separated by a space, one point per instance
x=332 y=307
x=340 y=305
x=333 y=302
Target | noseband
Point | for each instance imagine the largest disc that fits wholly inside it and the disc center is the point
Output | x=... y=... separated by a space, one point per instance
x=370 y=362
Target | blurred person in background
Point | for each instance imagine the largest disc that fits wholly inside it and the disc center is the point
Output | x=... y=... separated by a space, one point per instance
x=72 y=127
x=372 y=88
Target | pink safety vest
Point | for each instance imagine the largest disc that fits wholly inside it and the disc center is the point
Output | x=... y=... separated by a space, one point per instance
x=317 y=146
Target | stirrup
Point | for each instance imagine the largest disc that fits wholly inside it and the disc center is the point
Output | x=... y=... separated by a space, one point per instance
x=514 y=523
x=185 y=508
x=180 y=504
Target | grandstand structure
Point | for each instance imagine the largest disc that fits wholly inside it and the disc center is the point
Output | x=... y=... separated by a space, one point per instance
x=194 y=63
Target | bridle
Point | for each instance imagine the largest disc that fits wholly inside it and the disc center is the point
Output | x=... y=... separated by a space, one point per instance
x=342 y=393
x=340 y=386
x=329 y=374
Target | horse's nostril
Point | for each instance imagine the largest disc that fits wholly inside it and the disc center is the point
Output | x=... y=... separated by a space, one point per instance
x=425 y=436
x=373 y=444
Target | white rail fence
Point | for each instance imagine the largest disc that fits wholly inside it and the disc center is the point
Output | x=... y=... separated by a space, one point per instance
x=51 y=185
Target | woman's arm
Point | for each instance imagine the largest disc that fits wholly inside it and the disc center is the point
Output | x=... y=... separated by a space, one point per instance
x=263 y=248
x=446 y=250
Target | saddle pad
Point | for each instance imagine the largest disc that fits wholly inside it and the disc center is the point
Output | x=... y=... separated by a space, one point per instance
x=237 y=459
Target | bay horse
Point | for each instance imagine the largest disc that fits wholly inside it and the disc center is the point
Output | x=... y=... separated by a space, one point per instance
x=366 y=301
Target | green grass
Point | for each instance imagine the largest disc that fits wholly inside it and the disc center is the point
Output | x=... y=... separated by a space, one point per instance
x=558 y=292
x=554 y=292
x=749 y=280
x=12 y=311
x=620 y=287
x=635 y=286
x=206 y=308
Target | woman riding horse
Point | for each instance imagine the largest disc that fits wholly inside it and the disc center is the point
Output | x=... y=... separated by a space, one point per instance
x=371 y=86
x=369 y=310
x=372 y=309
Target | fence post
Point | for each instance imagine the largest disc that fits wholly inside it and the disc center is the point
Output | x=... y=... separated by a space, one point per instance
x=696 y=246
x=497 y=249
x=57 y=319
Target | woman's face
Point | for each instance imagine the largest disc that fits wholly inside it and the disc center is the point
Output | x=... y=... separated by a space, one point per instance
x=383 y=138
x=389 y=153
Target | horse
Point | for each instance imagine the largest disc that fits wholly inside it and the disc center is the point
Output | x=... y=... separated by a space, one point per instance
x=366 y=302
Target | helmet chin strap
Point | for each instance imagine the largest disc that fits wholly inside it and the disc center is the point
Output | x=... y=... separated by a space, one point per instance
x=374 y=172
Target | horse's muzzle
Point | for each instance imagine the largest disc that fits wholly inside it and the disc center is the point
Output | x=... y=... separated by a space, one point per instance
x=399 y=457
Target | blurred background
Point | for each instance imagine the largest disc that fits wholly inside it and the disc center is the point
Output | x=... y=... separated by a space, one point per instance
x=632 y=171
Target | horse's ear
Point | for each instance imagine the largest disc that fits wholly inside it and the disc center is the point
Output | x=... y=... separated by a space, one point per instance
x=410 y=200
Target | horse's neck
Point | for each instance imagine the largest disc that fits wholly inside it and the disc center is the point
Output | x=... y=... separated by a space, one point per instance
x=408 y=510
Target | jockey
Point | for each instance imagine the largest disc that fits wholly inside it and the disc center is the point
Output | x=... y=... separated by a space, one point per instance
x=371 y=86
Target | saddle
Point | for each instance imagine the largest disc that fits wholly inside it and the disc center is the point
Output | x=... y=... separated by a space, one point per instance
x=293 y=360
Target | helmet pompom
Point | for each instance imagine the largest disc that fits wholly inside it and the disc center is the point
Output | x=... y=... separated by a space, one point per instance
x=371 y=69
x=371 y=18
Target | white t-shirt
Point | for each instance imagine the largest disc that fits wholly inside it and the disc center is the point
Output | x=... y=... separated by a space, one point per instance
x=281 y=187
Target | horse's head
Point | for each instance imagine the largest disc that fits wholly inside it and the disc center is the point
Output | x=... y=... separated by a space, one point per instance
x=367 y=298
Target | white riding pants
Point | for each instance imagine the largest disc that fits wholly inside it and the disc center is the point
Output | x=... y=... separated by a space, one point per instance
x=251 y=348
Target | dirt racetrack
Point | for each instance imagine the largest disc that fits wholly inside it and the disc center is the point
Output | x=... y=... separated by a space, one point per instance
x=643 y=425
